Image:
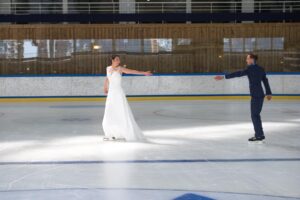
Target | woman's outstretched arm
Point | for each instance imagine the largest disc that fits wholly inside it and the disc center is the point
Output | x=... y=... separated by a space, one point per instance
x=106 y=85
x=132 y=71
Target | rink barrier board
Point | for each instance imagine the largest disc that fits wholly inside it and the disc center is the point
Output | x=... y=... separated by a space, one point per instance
x=140 y=97
x=143 y=98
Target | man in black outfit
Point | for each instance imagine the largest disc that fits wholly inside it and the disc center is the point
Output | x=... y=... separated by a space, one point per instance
x=256 y=75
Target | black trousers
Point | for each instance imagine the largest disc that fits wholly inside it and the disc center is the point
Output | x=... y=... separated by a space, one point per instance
x=256 y=107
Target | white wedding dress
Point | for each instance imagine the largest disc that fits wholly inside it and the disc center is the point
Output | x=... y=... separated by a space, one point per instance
x=118 y=120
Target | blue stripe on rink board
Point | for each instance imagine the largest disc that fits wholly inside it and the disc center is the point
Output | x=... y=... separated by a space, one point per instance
x=99 y=75
x=162 y=95
x=150 y=161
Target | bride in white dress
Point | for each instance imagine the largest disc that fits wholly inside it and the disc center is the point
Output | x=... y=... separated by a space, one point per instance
x=118 y=121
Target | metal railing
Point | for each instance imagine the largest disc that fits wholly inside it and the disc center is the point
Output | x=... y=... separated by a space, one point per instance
x=148 y=7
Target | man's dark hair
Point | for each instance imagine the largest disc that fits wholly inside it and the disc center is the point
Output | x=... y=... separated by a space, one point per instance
x=253 y=56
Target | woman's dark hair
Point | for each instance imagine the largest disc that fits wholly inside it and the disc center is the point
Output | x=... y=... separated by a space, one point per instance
x=253 y=56
x=114 y=56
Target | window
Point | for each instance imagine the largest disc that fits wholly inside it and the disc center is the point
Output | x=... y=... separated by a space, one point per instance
x=252 y=44
x=263 y=44
x=157 y=45
x=128 y=45
x=30 y=49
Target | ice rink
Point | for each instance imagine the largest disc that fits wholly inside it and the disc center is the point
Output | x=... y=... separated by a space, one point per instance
x=195 y=150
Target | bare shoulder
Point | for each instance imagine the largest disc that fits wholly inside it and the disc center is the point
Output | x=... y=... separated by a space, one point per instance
x=121 y=69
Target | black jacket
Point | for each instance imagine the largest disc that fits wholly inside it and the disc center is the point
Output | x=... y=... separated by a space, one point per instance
x=256 y=75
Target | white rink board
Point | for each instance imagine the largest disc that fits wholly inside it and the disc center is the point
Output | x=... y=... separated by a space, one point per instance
x=140 y=85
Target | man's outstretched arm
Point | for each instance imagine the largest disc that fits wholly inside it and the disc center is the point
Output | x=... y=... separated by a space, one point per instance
x=233 y=75
x=236 y=74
